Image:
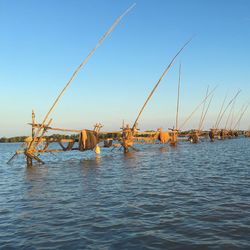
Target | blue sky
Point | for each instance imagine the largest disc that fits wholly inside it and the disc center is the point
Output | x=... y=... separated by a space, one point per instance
x=43 y=42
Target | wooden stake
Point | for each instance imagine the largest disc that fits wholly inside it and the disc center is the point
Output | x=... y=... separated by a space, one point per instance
x=33 y=123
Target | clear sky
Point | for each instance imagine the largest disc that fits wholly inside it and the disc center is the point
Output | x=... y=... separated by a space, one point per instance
x=42 y=43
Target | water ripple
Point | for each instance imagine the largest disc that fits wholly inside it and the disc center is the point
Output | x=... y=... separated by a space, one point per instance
x=192 y=196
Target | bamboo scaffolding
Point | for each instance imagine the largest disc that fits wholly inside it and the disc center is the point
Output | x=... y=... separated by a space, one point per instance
x=38 y=130
x=56 y=129
x=78 y=69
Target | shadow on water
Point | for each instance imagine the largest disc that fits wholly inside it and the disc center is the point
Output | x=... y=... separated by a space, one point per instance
x=36 y=172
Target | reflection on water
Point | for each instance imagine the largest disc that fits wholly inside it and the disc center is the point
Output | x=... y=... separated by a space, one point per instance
x=92 y=162
x=190 y=196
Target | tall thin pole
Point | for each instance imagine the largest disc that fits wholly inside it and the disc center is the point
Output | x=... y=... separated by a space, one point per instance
x=33 y=124
x=178 y=100
x=241 y=115
x=78 y=69
x=222 y=106
x=157 y=84
x=203 y=109
x=197 y=107
x=222 y=114
x=230 y=113
x=203 y=118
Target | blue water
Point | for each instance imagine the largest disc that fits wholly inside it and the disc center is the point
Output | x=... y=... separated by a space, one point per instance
x=188 y=197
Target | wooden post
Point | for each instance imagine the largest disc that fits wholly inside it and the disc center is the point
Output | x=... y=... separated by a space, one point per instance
x=29 y=161
x=33 y=124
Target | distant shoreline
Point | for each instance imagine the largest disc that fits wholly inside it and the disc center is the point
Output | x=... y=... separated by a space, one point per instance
x=15 y=139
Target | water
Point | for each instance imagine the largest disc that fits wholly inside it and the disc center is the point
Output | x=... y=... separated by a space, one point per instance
x=192 y=196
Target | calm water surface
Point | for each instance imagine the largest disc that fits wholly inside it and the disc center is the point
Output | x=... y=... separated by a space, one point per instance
x=189 y=197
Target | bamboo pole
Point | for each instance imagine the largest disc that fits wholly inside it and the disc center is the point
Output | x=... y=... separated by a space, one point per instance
x=33 y=123
x=42 y=134
x=203 y=109
x=243 y=112
x=232 y=118
x=222 y=106
x=197 y=107
x=178 y=100
x=203 y=119
x=79 y=67
x=235 y=96
x=58 y=129
x=230 y=113
x=157 y=84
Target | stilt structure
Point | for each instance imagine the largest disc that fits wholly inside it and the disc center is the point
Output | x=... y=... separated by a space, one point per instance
x=128 y=141
x=38 y=143
x=174 y=132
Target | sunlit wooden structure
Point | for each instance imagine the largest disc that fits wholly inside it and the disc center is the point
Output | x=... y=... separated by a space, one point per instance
x=128 y=134
x=38 y=143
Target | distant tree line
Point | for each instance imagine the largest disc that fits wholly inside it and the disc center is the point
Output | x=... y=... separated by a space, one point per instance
x=105 y=136
x=58 y=136
x=22 y=138
x=114 y=136
x=13 y=139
